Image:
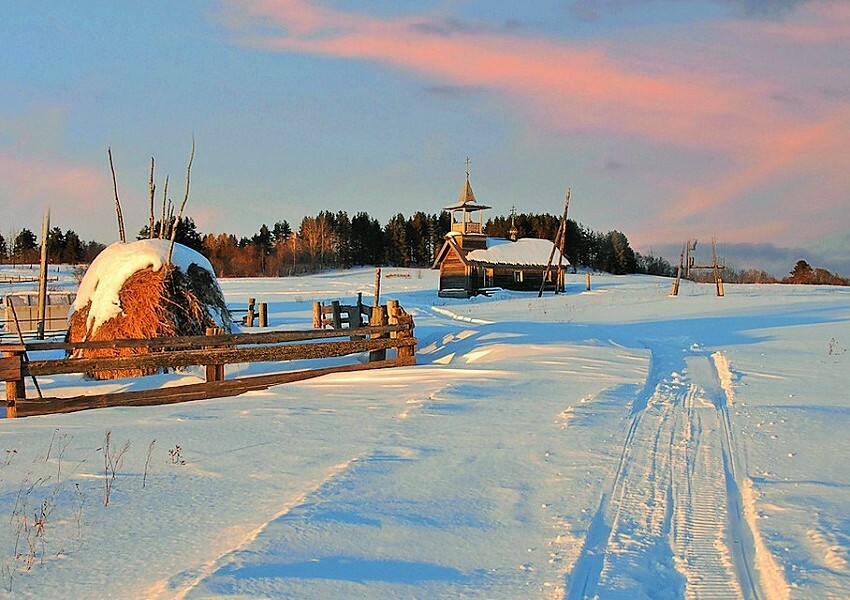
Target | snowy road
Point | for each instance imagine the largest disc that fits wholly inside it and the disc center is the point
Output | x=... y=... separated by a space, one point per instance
x=612 y=444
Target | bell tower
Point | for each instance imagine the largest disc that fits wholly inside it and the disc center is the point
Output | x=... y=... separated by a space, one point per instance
x=467 y=231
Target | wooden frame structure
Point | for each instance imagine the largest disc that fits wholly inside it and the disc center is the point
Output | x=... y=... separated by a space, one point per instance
x=395 y=331
x=687 y=263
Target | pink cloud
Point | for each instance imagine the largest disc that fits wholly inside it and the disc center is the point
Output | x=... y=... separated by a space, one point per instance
x=696 y=100
x=568 y=86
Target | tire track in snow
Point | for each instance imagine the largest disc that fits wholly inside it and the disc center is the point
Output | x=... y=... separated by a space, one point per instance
x=581 y=583
x=673 y=519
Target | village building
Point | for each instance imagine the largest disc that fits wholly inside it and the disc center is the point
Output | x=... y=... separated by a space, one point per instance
x=470 y=263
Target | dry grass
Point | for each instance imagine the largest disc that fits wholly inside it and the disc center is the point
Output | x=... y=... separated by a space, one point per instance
x=160 y=303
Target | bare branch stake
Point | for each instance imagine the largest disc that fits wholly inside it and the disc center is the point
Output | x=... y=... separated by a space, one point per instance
x=162 y=219
x=121 y=233
x=182 y=204
x=152 y=187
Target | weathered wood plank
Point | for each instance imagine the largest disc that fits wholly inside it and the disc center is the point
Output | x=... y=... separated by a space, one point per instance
x=269 y=337
x=10 y=368
x=220 y=356
x=190 y=392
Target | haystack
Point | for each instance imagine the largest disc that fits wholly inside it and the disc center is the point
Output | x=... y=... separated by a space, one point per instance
x=130 y=291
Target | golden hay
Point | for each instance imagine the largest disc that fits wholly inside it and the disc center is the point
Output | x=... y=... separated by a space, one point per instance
x=161 y=303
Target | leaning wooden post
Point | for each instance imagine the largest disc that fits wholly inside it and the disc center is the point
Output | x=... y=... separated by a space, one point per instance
x=379 y=318
x=249 y=318
x=214 y=372
x=675 y=290
x=264 y=314
x=587 y=280
x=14 y=376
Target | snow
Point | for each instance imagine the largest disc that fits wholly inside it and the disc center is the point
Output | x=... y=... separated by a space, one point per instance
x=111 y=268
x=526 y=251
x=578 y=445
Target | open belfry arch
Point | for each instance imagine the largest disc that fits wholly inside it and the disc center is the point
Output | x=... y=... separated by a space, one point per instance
x=470 y=262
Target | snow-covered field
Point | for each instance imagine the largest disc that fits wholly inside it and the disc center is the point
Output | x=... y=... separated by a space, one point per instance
x=616 y=443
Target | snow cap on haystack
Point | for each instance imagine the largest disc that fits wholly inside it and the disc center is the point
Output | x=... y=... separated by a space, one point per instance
x=131 y=291
x=111 y=269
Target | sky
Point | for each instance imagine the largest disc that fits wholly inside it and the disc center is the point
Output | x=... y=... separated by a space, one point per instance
x=667 y=119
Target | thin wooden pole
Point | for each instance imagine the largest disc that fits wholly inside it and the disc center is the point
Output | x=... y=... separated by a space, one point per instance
x=675 y=290
x=561 y=230
x=42 y=275
x=151 y=219
x=560 y=284
x=162 y=219
x=121 y=233
x=587 y=280
x=718 y=283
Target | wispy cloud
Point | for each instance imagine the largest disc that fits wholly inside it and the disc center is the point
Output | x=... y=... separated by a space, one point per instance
x=593 y=10
x=69 y=189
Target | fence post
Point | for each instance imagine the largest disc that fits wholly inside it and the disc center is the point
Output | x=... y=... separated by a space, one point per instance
x=398 y=316
x=15 y=388
x=392 y=315
x=377 y=301
x=264 y=314
x=587 y=280
x=214 y=372
x=337 y=316
x=379 y=317
x=317 y=315
x=359 y=309
x=249 y=318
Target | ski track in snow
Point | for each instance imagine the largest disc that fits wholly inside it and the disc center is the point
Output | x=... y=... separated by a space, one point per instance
x=672 y=523
x=183 y=584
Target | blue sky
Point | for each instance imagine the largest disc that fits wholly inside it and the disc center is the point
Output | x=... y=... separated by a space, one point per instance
x=675 y=119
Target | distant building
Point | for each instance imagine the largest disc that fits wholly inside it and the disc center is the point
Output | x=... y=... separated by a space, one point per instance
x=470 y=262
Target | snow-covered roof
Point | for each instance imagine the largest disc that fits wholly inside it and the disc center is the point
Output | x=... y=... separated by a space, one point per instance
x=116 y=264
x=526 y=252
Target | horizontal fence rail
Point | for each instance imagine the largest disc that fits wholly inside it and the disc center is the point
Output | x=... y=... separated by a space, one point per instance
x=394 y=331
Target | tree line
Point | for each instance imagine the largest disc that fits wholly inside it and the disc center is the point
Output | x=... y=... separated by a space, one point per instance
x=62 y=247
x=336 y=241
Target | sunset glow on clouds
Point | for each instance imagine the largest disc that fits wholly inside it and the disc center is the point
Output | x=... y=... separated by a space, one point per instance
x=582 y=85
x=669 y=119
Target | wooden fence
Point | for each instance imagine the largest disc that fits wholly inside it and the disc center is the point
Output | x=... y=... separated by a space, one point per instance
x=394 y=331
